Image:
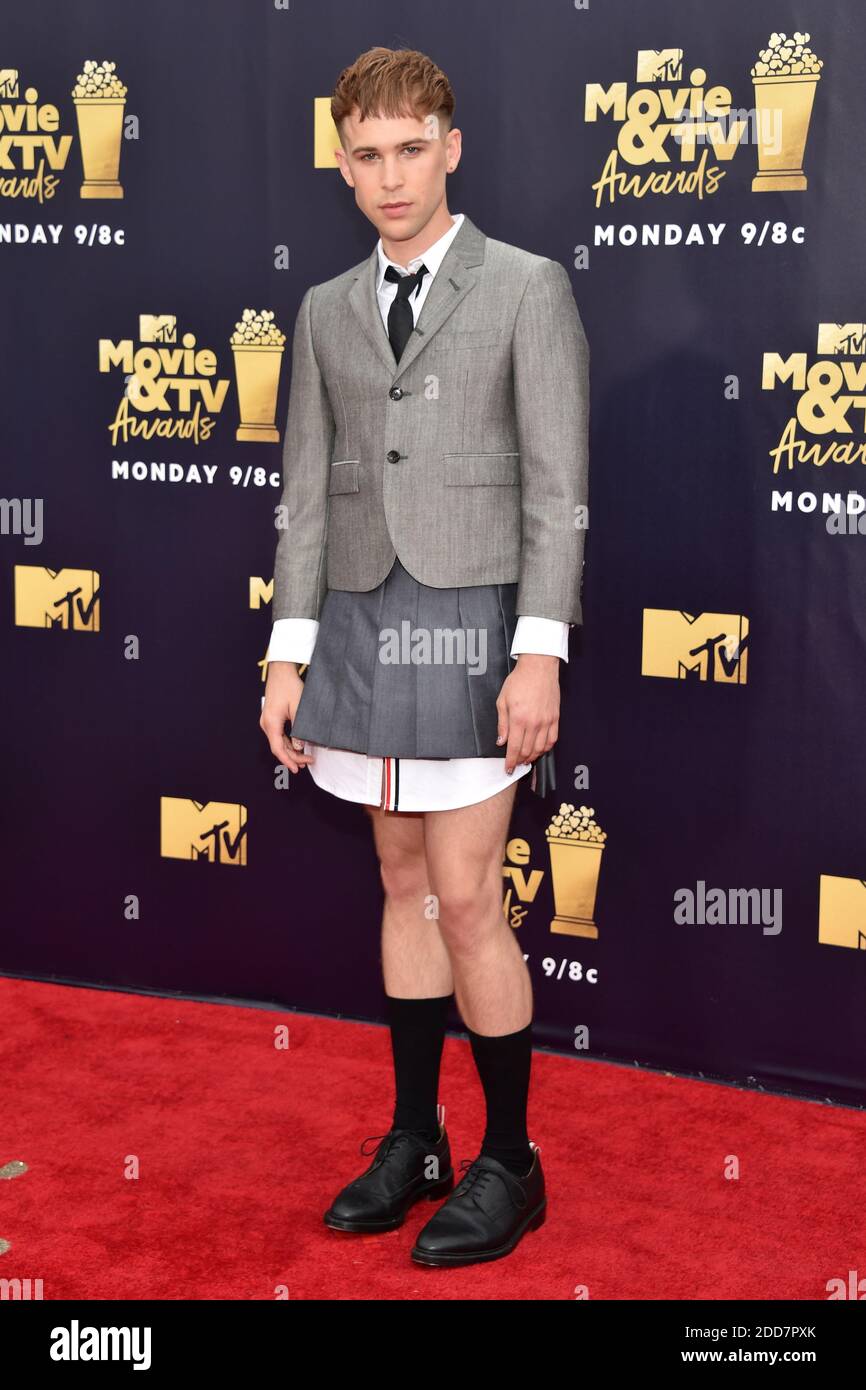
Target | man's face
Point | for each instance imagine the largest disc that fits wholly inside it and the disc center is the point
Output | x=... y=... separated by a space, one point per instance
x=397 y=168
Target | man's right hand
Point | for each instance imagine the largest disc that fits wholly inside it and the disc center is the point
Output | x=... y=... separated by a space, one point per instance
x=283 y=692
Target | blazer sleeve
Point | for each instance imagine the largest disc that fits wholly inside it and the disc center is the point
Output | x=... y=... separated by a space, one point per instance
x=300 y=562
x=550 y=362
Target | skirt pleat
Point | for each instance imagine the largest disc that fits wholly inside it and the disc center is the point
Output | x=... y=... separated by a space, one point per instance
x=405 y=708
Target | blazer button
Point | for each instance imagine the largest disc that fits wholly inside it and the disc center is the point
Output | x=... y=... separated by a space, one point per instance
x=393 y=456
x=396 y=393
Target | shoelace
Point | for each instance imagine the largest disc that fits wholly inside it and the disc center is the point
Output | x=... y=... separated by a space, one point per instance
x=395 y=1136
x=477 y=1174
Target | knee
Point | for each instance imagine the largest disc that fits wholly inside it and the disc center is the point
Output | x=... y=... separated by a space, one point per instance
x=471 y=911
x=404 y=875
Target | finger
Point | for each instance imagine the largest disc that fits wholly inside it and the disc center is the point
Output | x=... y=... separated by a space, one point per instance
x=501 y=723
x=285 y=754
x=291 y=755
x=549 y=739
x=516 y=737
x=294 y=762
x=545 y=739
x=533 y=744
x=298 y=746
x=299 y=759
x=284 y=759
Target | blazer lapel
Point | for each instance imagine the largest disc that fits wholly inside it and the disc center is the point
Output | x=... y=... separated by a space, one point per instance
x=362 y=297
x=456 y=276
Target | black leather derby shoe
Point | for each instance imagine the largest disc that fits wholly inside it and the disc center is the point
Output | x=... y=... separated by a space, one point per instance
x=403 y=1171
x=485 y=1216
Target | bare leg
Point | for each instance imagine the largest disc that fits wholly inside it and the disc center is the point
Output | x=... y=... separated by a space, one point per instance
x=415 y=963
x=464 y=851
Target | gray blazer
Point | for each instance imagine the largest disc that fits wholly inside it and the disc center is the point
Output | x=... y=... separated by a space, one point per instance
x=468 y=458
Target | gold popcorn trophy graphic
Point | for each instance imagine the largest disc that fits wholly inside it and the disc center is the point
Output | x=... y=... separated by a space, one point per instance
x=575 y=842
x=785 y=77
x=258 y=347
x=100 y=98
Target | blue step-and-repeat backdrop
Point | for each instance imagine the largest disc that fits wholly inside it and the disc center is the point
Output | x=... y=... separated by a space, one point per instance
x=695 y=896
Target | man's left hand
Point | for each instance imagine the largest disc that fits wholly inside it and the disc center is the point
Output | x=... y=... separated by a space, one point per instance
x=528 y=708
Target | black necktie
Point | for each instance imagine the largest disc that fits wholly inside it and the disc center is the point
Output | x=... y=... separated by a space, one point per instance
x=400 y=318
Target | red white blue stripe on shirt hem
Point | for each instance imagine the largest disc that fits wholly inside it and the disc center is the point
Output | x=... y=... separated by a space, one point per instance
x=389 y=794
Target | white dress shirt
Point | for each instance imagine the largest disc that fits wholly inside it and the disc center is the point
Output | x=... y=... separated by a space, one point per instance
x=412 y=784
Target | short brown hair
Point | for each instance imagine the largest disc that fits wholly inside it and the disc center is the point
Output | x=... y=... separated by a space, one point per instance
x=392 y=82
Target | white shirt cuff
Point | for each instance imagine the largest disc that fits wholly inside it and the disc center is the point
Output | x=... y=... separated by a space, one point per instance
x=293 y=639
x=546 y=636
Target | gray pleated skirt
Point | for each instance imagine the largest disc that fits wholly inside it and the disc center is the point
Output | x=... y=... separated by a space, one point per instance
x=409 y=671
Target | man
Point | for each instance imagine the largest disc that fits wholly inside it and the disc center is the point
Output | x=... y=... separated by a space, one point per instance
x=435 y=480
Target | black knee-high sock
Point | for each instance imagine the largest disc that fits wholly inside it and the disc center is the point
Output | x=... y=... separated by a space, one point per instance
x=417 y=1038
x=503 y=1064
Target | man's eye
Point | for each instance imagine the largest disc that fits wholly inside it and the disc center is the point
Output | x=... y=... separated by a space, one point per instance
x=371 y=154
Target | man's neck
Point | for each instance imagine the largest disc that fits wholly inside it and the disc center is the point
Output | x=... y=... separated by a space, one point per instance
x=402 y=252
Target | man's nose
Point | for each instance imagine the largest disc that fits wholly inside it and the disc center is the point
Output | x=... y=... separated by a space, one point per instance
x=392 y=176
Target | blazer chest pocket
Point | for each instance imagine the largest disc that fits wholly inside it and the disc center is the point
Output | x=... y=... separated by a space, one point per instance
x=480 y=470
x=449 y=339
x=344 y=476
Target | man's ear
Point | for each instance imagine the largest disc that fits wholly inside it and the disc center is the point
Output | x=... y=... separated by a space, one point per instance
x=453 y=148
x=340 y=156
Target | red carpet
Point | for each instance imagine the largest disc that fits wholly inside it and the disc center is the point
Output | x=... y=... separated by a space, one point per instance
x=241 y=1146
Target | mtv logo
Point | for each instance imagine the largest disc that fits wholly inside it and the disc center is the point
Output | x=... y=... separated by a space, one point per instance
x=9 y=82
x=841 y=339
x=842 y=912
x=706 y=646
x=325 y=137
x=157 y=328
x=261 y=591
x=659 y=64
x=211 y=831
x=67 y=599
